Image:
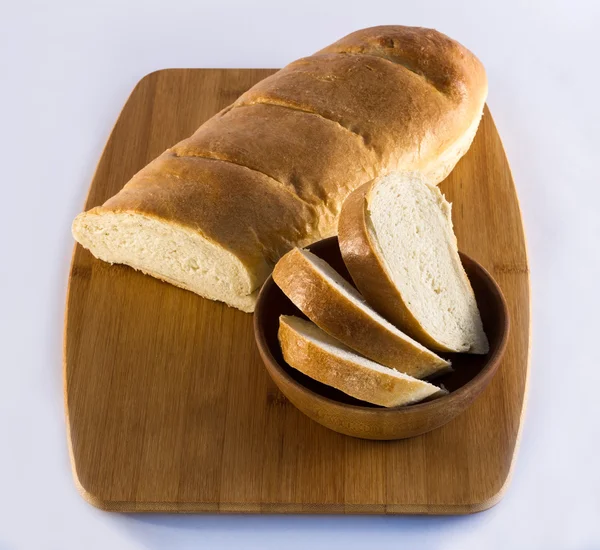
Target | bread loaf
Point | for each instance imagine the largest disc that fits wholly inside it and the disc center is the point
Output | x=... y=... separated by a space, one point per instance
x=336 y=307
x=397 y=241
x=216 y=211
x=308 y=349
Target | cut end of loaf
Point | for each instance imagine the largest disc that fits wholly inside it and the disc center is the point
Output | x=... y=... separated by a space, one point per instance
x=168 y=252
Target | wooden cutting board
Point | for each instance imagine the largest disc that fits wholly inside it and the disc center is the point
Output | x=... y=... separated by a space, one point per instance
x=169 y=407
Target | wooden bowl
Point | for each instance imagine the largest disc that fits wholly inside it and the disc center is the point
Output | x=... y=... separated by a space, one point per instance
x=342 y=413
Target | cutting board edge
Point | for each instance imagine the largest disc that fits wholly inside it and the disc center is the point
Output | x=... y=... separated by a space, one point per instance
x=282 y=508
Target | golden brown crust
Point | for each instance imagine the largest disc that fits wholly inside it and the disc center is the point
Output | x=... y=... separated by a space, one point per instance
x=410 y=93
x=320 y=161
x=369 y=274
x=334 y=313
x=446 y=64
x=391 y=109
x=367 y=385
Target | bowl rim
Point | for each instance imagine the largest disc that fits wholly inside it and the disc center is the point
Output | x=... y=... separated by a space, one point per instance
x=485 y=373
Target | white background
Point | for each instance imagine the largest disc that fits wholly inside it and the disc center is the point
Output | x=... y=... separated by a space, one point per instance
x=66 y=69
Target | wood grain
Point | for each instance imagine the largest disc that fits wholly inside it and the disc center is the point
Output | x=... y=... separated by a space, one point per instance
x=169 y=407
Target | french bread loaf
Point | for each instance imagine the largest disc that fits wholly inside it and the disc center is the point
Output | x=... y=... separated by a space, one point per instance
x=336 y=307
x=397 y=241
x=312 y=351
x=216 y=211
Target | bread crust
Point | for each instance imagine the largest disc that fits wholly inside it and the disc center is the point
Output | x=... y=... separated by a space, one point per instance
x=398 y=114
x=315 y=151
x=376 y=387
x=337 y=315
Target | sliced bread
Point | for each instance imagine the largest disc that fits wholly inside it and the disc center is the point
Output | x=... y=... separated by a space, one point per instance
x=334 y=305
x=312 y=351
x=398 y=243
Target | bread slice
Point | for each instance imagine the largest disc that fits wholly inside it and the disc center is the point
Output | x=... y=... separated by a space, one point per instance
x=312 y=351
x=328 y=300
x=397 y=241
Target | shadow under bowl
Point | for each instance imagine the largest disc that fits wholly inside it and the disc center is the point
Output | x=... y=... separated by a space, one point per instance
x=344 y=414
